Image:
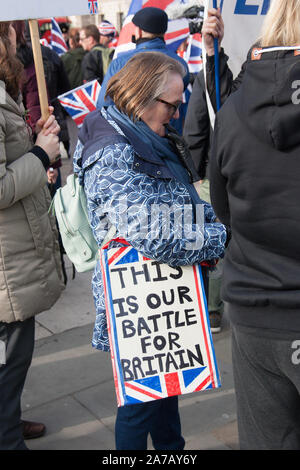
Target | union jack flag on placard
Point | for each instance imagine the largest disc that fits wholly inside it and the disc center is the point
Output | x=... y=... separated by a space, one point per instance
x=81 y=101
x=93 y=6
x=160 y=345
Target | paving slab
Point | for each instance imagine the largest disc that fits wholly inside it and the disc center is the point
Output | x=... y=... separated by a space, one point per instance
x=63 y=364
x=70 y=426
x=75 y=307
x=228 y=434
x=70 y=388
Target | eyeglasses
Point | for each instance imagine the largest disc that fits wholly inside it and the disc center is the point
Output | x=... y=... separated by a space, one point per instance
x=173 y=106
x=83 y=39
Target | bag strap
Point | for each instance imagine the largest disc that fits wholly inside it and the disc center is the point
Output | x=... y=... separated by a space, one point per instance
x=101 y=142
x=109 y=236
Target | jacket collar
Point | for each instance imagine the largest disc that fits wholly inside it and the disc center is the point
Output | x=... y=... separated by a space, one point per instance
x=94 y=134
x=156 y=43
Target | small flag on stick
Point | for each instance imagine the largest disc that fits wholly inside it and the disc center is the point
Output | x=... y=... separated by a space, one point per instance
x=81 y=101
x=58 y=43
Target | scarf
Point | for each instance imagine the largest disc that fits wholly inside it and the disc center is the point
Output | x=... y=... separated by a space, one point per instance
x=161 y=146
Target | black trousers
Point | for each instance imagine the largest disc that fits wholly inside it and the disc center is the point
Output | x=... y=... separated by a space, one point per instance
x=267 y=384
x=18 y=340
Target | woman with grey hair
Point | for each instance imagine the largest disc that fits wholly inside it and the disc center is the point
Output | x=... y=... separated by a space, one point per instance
x=139 y=169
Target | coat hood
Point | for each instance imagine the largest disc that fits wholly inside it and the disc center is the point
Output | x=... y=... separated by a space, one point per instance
x=268 y=101
x=8 y=103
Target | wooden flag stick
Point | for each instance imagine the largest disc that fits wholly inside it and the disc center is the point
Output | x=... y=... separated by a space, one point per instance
x=39 y=68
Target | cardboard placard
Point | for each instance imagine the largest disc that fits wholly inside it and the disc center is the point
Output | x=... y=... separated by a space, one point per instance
x=20 y=10
x=158 y=324
x=243 y=21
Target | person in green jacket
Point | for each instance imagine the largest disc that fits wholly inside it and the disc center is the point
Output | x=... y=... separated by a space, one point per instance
x=73 y=58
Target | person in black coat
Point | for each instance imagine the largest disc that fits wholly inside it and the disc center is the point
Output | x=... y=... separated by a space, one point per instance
x=197 y=128
x=98 y=56
x=254 y=175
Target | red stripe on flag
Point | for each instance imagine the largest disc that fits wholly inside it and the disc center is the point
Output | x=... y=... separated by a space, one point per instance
x=79 y=120
x=175 y=34
x=202 y=385
x=86 y=101
x=95 y=91
x=162 y=4
x=59 y=40
x=172 y=384
x=203 y=326
x=117 y=239
x=129 y=385
x=126 y=33
x=118 y=253
x=71 y=105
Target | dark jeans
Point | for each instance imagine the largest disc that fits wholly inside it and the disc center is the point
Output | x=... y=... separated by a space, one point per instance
x=159 y=418
x=19 y=343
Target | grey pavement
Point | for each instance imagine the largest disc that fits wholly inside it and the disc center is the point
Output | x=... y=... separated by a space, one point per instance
x=70 y=385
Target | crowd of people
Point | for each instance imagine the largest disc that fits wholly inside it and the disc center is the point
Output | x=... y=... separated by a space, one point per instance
x=243 y=172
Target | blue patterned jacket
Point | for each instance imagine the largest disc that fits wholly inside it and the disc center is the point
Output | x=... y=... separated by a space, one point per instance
x=118 y=181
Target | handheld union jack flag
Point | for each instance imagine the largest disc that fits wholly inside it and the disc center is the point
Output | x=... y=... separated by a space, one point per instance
x=93 y=7
x=81 y=101
x=194 y=53
x=58 y=43
x=158 y=325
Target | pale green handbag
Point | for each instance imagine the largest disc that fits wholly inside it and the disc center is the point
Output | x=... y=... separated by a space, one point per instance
x=70 y=209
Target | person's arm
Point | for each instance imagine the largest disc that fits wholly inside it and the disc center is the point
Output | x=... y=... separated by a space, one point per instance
x=213 y=27
x=116 y=190
x=27 y=173
x=218 y=183
x=227 y=84
x=197 y=129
